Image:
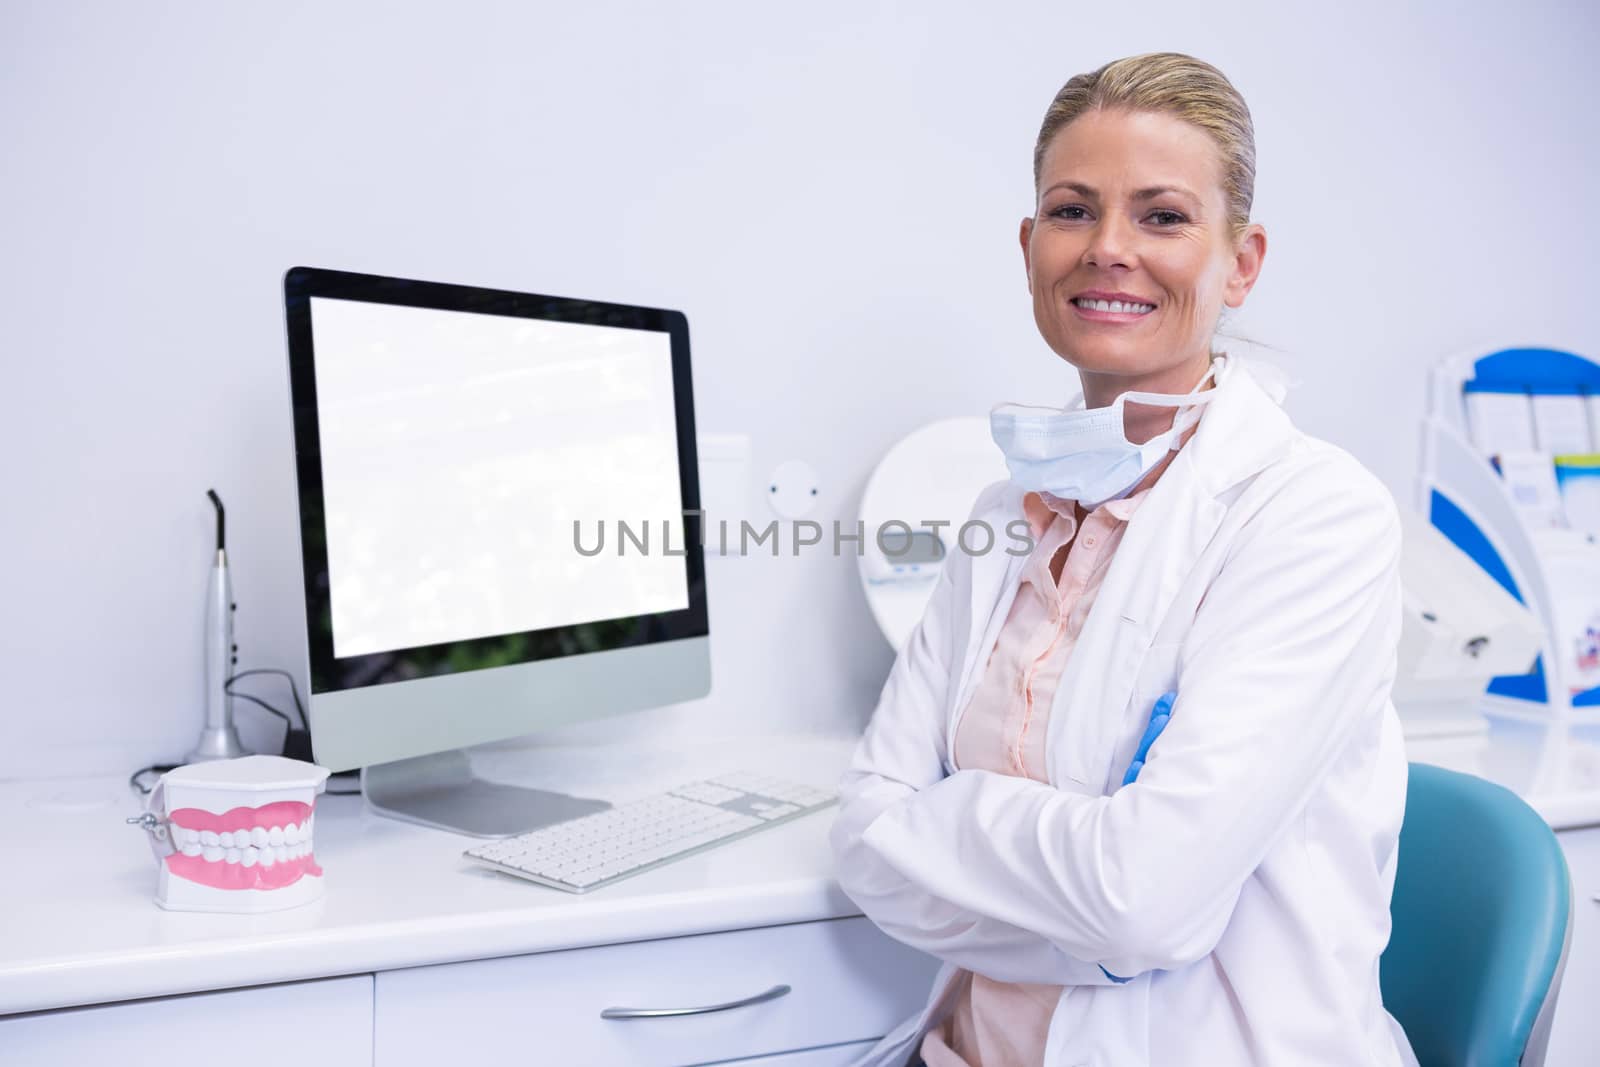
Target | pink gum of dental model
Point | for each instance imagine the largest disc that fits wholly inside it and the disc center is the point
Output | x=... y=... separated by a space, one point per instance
x=219 y=874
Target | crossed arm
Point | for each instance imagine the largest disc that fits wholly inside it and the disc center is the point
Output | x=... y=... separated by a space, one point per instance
x=1293 y=645
x=902 y=753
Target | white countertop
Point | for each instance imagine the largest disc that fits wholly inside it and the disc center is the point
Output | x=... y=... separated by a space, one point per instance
x=82 y=927
x=1554 y=766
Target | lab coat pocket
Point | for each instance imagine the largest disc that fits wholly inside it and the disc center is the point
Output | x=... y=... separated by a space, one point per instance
x=1158 y=672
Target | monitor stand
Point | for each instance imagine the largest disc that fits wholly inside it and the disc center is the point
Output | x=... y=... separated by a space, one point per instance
x=440 y=791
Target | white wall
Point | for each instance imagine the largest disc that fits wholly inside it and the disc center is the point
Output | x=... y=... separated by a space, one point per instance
x=830 y=191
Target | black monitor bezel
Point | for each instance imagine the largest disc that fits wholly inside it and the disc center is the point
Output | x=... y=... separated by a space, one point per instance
x=332 y=674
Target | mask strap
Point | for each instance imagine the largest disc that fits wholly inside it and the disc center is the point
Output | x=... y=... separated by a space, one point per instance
x=1195 y=395
x=1188 y=413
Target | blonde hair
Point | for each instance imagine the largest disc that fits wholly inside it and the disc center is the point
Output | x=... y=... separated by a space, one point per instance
x=1168 y=83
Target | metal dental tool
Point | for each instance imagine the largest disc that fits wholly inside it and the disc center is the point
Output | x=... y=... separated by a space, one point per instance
x=218 y=739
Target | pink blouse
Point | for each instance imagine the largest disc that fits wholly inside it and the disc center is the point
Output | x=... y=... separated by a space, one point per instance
x=1004 y=1024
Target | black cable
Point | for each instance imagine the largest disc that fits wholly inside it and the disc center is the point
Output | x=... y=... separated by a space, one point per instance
x=257 y=700
x=227 y=686
x=161 y=768
x=293 y=689
x=296 y=740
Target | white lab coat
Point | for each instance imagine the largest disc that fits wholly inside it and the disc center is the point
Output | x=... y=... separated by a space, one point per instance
x=1242 y=883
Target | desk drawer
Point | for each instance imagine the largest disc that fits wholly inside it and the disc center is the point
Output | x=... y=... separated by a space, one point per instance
x=321 y=1022
x=848 y=982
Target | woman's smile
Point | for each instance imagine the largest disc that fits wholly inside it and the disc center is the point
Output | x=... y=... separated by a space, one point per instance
x=1112 y=312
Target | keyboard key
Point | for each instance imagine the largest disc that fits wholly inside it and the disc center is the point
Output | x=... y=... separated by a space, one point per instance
x=778 y=812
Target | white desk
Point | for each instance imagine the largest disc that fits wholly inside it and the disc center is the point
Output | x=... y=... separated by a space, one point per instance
x=403 y=913
x=1555 y=768
x=417 y=955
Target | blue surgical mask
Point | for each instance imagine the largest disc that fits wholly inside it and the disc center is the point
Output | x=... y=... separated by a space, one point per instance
x=1084 y=454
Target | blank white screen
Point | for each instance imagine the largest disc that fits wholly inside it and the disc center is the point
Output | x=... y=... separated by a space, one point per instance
x=459 y=448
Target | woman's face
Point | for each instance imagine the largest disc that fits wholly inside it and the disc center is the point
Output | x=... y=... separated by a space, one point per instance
x=1132 y=203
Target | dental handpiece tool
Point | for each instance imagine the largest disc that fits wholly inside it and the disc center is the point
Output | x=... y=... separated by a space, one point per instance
x=218 y=739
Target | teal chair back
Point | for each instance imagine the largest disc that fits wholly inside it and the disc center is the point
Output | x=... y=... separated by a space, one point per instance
x=1482 y=922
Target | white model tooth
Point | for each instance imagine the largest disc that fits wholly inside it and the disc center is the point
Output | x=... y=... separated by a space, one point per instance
x=230 y=855
x=225 y=839
x=258 y=837
x=209 y=838
x=182 y=835
x=248 y=857
x=212 y=853
x=191 y=848
x=265 y=857
x=280 y=852
x=291 y=834
x=275 y=836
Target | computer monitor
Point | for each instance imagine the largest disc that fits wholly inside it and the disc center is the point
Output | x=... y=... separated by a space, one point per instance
x=499 y=529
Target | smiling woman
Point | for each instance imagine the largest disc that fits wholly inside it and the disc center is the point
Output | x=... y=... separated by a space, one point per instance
x=1141 y=790
x=1144 y=173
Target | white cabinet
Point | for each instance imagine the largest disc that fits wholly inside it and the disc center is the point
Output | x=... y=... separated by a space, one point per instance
x=848 y=983
x=309 y=1024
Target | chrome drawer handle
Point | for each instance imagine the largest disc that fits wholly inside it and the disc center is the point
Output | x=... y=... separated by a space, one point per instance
x=656 y=1013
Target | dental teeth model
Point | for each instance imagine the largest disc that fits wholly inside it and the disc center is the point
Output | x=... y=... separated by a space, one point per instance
x=236 y=835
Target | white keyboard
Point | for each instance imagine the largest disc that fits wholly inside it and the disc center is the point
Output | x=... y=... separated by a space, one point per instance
x=595 y=850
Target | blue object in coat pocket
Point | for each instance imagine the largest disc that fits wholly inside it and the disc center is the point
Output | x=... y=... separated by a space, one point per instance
x=1160 y=715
